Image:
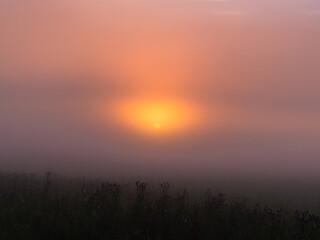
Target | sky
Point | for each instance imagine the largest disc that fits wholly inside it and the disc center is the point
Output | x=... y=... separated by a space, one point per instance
x=156 y=86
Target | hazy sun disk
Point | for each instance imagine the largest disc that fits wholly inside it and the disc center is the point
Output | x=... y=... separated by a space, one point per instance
x=156 y=115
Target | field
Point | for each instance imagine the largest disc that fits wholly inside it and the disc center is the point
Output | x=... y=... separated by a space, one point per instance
x=54 y=207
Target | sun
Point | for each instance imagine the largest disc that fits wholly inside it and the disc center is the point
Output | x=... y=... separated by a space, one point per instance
x=159 y=116
x=152 y=116
x=156 y=125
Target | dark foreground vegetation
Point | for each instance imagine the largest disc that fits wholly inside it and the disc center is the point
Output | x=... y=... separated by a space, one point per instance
x=32 y=207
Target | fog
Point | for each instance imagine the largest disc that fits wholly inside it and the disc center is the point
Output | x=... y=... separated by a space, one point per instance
x=248 y=70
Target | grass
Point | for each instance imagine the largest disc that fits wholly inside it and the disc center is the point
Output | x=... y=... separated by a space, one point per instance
x=52 y=207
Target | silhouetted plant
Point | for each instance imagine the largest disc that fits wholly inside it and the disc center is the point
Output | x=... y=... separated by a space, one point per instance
x=58 y=208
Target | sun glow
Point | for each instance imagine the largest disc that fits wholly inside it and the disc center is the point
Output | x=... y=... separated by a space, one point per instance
x=152 y=116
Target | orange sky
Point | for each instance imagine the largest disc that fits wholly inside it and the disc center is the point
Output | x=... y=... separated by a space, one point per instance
x=233 y=82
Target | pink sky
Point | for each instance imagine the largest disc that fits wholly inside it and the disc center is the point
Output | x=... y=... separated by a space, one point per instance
x=248 y=71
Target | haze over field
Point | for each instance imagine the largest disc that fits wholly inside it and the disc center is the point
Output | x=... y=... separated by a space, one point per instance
x=145 y=87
